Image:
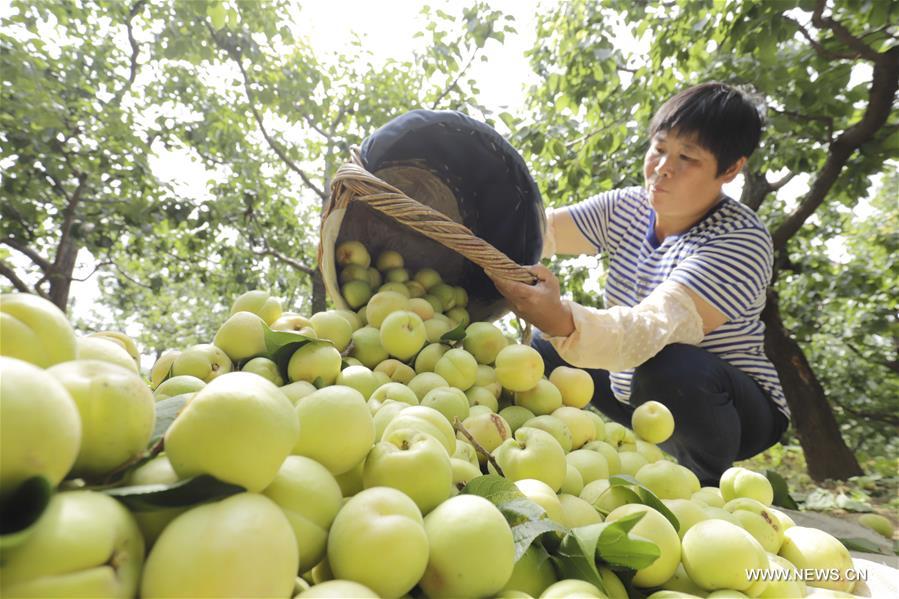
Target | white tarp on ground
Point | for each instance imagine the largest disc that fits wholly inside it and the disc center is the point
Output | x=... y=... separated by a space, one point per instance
x=882 y=570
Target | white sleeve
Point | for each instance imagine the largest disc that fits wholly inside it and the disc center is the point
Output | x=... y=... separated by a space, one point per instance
x=549 y=236
x=620 y=338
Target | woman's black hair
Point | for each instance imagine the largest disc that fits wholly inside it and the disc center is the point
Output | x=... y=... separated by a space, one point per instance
x=724 y=120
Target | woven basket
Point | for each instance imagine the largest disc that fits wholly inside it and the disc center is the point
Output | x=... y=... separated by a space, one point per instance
x=369 y=207
x=445 y=191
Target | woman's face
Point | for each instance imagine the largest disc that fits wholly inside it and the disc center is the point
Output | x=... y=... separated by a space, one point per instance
x=681 y=176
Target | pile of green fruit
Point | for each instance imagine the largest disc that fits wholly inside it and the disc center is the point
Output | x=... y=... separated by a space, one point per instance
x=399 y=450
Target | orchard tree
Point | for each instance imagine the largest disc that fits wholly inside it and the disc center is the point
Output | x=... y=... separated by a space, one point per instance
x=827 y=72
x=842 y=310
x=226 y=87
x=74 y=155
x=283 y=123
x=81 y=121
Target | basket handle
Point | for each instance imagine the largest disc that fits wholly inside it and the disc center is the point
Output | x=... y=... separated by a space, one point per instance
x=353 y=182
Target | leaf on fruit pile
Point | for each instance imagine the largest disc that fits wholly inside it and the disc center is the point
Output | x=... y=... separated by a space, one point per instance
x=191 y=491
x=166 y=412
x=526 y=519
x=820 y=500
x=457 y=334
x=525 y=533
x=845 y=502
x=21 y=509
x=280 y=345
x=782 y=496
x=496 y=489
x=632 y=497
x=860 y=544
x=521 y=510
x=575 y=556
x=619 y=548
x=647 y=497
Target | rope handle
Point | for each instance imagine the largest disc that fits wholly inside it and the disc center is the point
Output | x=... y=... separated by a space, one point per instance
x=353 y=183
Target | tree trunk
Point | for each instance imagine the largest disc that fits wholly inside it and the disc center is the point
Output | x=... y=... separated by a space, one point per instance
x=319 y=296
x=60 y=272
x=61 y=276
x=826 y=453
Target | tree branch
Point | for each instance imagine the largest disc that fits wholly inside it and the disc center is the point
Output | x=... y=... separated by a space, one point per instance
x=135 y=50
x=39 y=286
x=892 y=365
x=828 y=121
x=781 y=182
x=69 y=216
x=57 y=186
x=294 y=263
x=97 y=267
x=336 y=122
x=594 y=133
x=843 y=34
x=309 y=121
x=885 y=80
x=459 y=427
x=884 y=417
x=130 y=278
x=755 y=188
x=8 y=272
x=821 y=50
x=208 y=157
x=17 y=245
x=237 y=58
x=456 y=80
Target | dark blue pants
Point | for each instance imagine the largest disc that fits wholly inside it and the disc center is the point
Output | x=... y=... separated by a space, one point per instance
x=721 y=415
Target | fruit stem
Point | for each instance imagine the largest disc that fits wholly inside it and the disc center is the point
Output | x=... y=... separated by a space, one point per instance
x=143 y=457
x=457 y=424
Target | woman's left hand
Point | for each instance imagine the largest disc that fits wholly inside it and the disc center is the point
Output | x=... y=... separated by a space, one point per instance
x=539 y=304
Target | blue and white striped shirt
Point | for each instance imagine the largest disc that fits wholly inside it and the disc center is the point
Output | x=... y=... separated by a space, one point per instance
x=726 y=258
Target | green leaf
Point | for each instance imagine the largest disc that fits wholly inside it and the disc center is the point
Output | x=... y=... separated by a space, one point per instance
x=457 y=334
x=819 y=500
x=217 y=14
x=576 y=555
x=166 y=412
x=233 y=18
x=508 y=119
x=618 y=548
x=494 y=488
x=526 y=519
x=647 y=497
x=630 y=496
x=21 y=509
x=521 y=510
x=852 y=505
x=859 y=544
x=197 y=489
x=280 y=345
x=782 y=496
x=525 y=533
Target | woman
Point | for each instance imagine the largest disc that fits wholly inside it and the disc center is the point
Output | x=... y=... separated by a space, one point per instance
x=689 y=269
